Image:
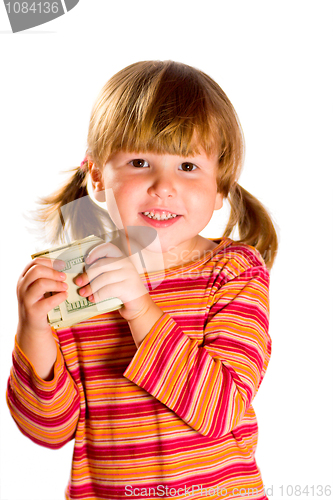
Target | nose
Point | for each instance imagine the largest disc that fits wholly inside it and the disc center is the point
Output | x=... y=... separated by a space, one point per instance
x=162 y=186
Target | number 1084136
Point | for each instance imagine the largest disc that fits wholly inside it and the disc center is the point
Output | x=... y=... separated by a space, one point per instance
x=33 y=8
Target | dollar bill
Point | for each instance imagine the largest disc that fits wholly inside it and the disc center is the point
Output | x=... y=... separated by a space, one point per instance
x=76 y=308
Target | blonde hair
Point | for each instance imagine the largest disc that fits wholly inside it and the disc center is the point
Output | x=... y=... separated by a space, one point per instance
x=169 y=107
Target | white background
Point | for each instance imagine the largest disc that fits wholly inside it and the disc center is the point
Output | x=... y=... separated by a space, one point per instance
x=273 y=59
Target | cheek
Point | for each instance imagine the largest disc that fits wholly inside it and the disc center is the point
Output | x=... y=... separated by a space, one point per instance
x=199 y=198
x=202 y=203
x=114 y=205
x=114 y=212
x=119 y=200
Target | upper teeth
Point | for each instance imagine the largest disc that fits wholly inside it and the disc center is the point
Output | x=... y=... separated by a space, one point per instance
x=160 y=215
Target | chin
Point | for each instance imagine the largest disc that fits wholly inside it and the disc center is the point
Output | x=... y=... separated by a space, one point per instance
x=156 y=247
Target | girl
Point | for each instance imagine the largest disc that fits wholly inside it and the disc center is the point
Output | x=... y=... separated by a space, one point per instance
x=158 y=394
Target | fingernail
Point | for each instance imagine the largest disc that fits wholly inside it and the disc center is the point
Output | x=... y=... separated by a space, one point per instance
x=62 y=276
x=78 y=280
x=59 y=264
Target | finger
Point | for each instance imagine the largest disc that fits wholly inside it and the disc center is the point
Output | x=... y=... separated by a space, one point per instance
x=106 y=292
x=121 y=290
x=103 y=250
x=39 y=288
x=100 y=266
x=49 y=303
x=38 y=272
x=44 y=261
x=102 y=280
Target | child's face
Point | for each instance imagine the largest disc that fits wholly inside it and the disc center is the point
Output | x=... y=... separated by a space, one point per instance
x=162 y=184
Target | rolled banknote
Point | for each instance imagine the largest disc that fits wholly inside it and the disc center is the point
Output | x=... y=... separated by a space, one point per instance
x=76 y=308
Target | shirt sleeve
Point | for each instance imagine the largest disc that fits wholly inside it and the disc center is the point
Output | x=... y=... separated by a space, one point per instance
x=45 y=411
x=210 y=384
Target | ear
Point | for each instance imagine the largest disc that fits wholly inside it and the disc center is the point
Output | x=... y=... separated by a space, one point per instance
x=97 y=182
x=218 y=201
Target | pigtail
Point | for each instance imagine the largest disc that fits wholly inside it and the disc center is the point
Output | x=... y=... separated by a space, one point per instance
x=70 y=214
x=254 y=224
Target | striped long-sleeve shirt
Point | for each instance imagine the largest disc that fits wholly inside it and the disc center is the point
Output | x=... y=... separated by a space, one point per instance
x=172 y=418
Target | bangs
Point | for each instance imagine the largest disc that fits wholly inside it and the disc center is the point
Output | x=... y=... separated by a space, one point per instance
x=164 y=107
x=169 y=114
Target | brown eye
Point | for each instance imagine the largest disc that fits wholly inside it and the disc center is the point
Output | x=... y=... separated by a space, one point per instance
x=188 y=167
x=139 y=163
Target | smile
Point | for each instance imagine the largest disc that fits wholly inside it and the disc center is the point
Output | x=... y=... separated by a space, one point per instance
x=160 y=216
x=161 y=220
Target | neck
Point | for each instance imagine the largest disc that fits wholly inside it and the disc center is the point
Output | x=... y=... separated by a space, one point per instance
x=157 y=260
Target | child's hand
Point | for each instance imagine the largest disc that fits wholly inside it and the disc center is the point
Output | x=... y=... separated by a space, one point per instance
x=112 y=274
x=38 y=279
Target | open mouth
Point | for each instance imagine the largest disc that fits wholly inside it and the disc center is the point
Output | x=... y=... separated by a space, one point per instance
x=160 y=219
x=160 y=215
